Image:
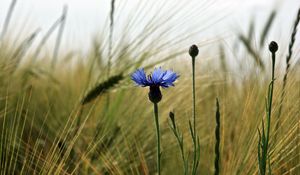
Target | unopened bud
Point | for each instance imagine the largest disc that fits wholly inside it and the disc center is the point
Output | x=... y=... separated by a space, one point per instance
x=193 y=51
x=273 y=47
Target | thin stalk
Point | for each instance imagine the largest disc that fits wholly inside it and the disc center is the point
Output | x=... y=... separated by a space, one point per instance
x=288 y=58
x=271 y=98
x=217 y=146
x=194 y=95
x=194 y=114
x=193 y=52
x=180 y=144
x=111 y=30
x=110 y=43
x=179 y=139
x=157 y=136
x=265 y=136
x=8 y=18
x=263 y=146
x=47 y=36
x=59 y=36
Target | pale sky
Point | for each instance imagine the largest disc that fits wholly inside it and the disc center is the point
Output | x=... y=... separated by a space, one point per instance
x=87 y=17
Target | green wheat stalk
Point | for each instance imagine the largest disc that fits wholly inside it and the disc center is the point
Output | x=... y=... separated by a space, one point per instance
x=288 y=58
x=59 y=36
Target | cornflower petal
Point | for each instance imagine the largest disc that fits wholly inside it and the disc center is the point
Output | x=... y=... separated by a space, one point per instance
x=139 y=77
x=157 y=75
x=169 y=78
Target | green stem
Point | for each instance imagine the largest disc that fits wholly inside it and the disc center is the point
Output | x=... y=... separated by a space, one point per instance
x=265 y=142
x=180 y=144
x=271 y=98
x=194 y=95
x=157 y=136
x=194 y=117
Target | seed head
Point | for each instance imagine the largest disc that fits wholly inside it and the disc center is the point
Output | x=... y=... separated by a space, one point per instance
x=273 y=47
x=193 y=51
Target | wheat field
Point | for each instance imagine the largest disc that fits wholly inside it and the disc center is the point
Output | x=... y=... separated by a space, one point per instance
x=68 y=113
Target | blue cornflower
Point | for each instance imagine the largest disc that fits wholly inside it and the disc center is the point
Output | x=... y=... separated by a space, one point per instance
x=159 y=77
x=154 y=80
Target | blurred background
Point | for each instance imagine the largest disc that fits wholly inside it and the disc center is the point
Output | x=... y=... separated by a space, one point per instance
x=85 y=19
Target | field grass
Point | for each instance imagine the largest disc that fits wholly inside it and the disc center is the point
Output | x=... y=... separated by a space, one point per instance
x=84 y=115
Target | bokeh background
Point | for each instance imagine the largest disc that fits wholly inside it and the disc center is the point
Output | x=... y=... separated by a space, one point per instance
x=68 y=105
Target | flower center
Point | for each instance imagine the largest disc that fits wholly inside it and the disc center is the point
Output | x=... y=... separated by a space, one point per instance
x=150 y=77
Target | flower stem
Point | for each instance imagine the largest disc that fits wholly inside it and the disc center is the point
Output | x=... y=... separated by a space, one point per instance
x=271 y=97
x=157 y=136
x=195 y=161
x=194 y=95
x=263 y=145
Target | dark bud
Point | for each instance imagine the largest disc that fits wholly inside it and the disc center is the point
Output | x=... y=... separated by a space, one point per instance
x=172 y=117
x=193 y=51
x=154 y=94
x=273 y=47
